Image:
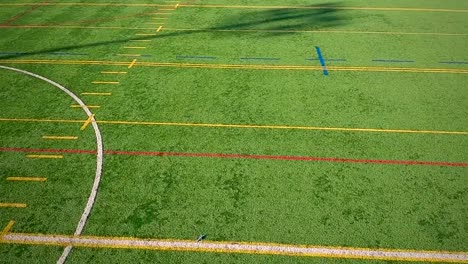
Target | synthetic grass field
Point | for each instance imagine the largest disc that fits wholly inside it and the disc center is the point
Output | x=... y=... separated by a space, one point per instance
x=295 y=124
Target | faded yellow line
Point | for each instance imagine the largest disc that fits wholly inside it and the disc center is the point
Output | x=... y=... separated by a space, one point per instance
x=31 y=156
x=105 y=94
x=104 y=82
x=74 y=27
x=34 y=179
x=82 y=106
x=318 y=31
x=145 y=34
x=160 y=13
x=87 y=122
x=243 y=30
x=159 y=28
x=129 y=55
x=246 y=126
x=141 y=40
x=132 y=64
x=113 y=72
x=163 y=18
x=13 y=205
x=7 y=228
x=150 y=23
x=127 y=47
x=60 y=137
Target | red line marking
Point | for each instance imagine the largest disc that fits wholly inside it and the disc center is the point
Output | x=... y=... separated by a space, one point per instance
x=11 y=20
x=240 y=156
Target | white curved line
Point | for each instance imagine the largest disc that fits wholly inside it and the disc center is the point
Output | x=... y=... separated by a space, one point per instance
x=97 y=178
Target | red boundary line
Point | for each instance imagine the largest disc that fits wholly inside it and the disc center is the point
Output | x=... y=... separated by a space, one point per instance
x=240 y=156
x=28 y=11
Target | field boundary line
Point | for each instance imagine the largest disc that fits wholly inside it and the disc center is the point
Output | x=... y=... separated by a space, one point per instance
x=246 y=66
x=241 y=156
x=99 y=154
x=285 y=127
x=411 y=9
x=235 y=247
x=65 y=26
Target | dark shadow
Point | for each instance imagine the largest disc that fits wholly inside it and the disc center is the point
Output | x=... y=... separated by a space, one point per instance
x=269 y=22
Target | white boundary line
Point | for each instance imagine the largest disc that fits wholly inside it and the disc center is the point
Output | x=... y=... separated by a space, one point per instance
x=97 y=178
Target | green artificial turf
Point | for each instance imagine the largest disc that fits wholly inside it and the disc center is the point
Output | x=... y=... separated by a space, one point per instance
x=418 y=207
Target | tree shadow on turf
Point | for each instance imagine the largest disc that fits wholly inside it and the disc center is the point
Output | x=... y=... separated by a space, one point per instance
x=264 y=23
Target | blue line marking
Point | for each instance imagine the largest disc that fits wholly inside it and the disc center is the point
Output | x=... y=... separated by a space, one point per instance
x=381 y=60
x=322 y=61
x=255 y=58
x=454 y=62
x=196 y=57
x=327 y=59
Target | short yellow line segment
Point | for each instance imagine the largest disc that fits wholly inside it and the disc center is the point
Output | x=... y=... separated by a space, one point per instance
x=87 y=122
x=60 y=137
x=105 y=94
x=7 y=228
x=32 y=156
x=113 y=72
x=134 y=47
x=132 y=64
x=159 y=29
x=33 y=179
x=104 y=82
x=13 y=205
x=82 y=106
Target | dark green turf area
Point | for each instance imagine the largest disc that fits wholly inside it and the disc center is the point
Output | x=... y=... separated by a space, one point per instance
x=295 y=202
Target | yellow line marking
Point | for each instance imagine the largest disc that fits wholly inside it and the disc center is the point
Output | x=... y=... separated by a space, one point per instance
x=247 y=30
x=150 y=23
x=159 y=28
x=88 y=106
x=7 y=228
x=163 y=18
x=74 y=27
x=141 y=40
x=286 y=127
x=129 y=55
x=251 y=7
x=87 y=122
x=104 y=82
x=112 y=72
x=237 y=247
x=45 y=156
x=335 y=7
x=14 y=205
x=127 y=47
x=60 y=137
x=320 y=31
x=161 y=13
x=132 y=63
x=96 y=94
x=145 y=34
x=246 y=66
x=35 y=179
x=176 y=6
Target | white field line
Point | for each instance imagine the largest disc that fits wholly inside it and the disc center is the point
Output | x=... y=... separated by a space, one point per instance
x=235 y=247
x=97 y=178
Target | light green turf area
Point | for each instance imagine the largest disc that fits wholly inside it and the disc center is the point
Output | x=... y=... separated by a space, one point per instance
x=294 y=202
